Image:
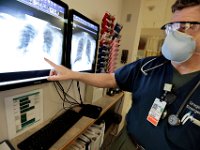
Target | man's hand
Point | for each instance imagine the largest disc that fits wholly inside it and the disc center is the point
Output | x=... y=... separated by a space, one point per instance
x=59 y=72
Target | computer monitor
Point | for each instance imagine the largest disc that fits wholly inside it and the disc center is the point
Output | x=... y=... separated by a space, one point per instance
x=29 y=31
x=83 y=35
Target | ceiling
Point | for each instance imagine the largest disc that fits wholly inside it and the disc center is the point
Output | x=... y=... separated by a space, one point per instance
x=156 y=13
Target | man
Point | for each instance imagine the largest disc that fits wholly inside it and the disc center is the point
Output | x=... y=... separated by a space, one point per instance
x=166 y=94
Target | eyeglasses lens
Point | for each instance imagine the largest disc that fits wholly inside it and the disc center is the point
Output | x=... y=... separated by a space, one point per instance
x=181 y=26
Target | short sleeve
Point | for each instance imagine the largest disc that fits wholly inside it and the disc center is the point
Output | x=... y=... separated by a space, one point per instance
x=126 y=76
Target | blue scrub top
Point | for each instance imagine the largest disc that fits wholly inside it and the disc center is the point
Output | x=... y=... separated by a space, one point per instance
x=145 y=88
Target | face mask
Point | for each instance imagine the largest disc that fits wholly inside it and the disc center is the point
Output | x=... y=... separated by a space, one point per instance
x=178 y=47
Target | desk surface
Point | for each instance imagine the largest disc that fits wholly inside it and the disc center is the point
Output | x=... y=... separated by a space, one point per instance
x=105 y=102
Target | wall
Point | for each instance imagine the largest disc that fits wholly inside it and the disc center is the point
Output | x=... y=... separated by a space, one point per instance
x=95 y=10
x=156 y=13
x=131 y=27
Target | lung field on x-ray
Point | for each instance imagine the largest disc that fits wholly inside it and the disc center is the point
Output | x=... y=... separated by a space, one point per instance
x=27 y=35
x=48 y=40
x=79 y=50
x=83 y=49
x=88 y=50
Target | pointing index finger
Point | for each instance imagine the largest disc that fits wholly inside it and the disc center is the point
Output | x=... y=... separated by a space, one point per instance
x=50 y=62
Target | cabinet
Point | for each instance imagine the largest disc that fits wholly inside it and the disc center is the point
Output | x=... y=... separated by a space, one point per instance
x=106 y=102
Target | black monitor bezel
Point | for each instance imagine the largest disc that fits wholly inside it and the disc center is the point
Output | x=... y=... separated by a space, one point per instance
x=35 y=73
x=70 y=26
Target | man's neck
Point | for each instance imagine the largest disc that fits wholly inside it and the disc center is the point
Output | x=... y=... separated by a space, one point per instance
x=191 y=65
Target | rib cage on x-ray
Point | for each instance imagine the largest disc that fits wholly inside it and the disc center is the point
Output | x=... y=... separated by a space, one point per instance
x=79 y=54
x=27 y=35
x=83 y=51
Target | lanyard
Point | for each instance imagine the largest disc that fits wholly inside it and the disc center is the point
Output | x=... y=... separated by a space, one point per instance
x=173 y=119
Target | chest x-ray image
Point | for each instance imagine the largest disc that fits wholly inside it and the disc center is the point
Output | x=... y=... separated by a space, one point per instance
x=82 y=51
x=26 y=40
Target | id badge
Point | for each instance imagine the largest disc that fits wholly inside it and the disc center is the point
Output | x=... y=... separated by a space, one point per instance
x=156 y=111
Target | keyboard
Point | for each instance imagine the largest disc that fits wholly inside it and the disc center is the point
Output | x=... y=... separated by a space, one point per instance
x=44 y=138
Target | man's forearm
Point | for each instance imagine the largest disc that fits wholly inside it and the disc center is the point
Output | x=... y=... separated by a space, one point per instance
x=101 y=80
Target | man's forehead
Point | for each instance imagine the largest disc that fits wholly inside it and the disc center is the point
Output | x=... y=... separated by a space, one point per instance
x=187 y=14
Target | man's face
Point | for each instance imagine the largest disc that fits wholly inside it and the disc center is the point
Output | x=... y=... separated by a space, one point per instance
x=190 y=14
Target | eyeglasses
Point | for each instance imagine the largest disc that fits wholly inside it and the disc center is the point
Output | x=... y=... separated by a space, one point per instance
x=182 y=26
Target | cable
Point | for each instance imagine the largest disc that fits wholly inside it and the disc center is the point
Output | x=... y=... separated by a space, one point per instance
x=69 y=86
x=79 y=91
x=65 y=97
